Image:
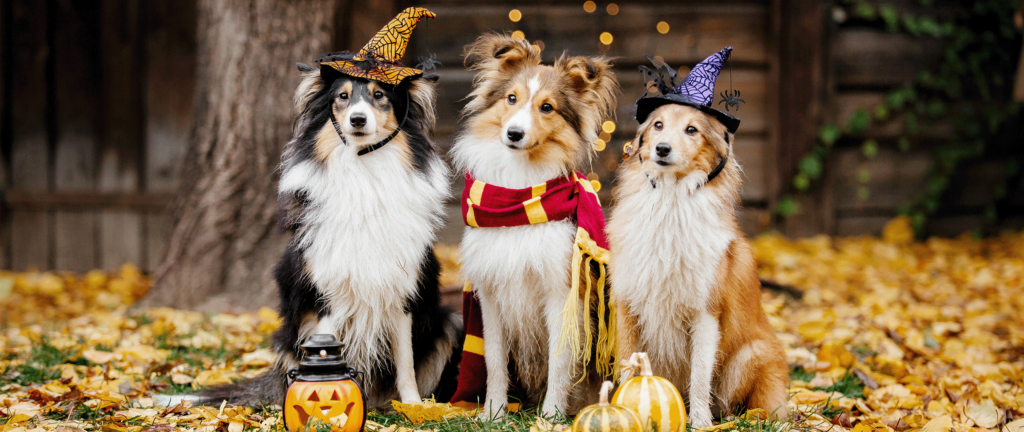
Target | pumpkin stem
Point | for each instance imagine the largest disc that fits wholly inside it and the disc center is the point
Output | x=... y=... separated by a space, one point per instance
x=645 y=364
x=606 y=387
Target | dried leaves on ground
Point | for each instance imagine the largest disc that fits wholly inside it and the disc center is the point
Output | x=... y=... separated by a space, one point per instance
x=889 y=335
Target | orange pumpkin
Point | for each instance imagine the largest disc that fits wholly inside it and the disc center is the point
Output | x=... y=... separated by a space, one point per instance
x=605 y=417
x=324 y=401
x=655 y=399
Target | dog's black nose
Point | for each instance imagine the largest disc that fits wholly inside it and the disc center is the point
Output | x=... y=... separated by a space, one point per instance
x=515 y=134
x=358 y=120
x=663 y=149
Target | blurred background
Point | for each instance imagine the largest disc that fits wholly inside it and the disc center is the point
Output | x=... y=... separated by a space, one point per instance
x=149 y=132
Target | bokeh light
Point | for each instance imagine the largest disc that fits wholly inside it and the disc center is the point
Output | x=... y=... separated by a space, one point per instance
x=589 y=6
x=519 y=35
x=608 y=126
x=606 y=38
x=515 y=15
x=605 y=136
x=663 y=27
x=613 y=9
x=600 y=144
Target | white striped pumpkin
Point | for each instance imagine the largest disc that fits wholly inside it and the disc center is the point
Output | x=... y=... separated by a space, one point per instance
x=604 y=417
x=655 y=399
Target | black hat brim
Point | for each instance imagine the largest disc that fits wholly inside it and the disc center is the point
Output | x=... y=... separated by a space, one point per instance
x=645 y=106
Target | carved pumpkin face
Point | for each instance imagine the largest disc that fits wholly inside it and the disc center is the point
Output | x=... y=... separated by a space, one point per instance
x=324 y=401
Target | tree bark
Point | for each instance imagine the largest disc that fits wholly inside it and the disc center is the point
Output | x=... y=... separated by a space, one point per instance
x=225 y=240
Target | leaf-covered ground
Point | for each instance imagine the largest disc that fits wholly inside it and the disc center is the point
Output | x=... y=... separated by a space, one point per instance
x=890 y=335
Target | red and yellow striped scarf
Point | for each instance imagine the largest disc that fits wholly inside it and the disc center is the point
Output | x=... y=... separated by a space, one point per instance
x=570 y=197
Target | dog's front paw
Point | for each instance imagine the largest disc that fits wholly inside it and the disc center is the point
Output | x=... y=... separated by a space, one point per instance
x=492 y=410
x=701 y=417
x=550 y=410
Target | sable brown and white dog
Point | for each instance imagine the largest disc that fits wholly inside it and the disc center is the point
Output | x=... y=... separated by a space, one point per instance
x=360 y=264
x=527 y=123
x=682 y=275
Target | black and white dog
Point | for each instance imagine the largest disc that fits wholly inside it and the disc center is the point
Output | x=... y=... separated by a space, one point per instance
x=363 y=216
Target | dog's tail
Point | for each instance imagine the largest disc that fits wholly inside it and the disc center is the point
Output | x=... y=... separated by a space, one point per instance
x=266 y=389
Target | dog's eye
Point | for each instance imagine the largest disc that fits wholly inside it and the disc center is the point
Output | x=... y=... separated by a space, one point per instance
x=511 y=99
x=658 y=126
x=378 y=94
x=343 y=96
x=690 y=130
x=546 y=108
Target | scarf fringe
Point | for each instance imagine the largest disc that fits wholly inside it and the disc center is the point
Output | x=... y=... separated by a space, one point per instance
x=584 y=252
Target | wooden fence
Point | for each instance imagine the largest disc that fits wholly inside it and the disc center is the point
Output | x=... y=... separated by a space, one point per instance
x=96 y=97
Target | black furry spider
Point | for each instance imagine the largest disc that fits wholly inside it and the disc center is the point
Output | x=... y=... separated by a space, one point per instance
x=731 y=99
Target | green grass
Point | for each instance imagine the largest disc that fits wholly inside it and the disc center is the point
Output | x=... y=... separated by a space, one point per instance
x=849 y=385
x=513 y=422
x=799 y=374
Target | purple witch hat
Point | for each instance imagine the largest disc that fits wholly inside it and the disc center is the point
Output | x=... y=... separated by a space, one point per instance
x=697 y=90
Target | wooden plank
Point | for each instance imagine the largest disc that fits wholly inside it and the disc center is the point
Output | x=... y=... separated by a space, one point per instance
x=865 y=57
x=754 y=220
x=30 y=243
x=30 y=240
x=80 y=201
x=121 y=239
x=30 y=149
x=78 y=108
x=750 y=154
x=696 y=30
x=894 y=178
x=861 y=225
x=5 y=136
x=158 y=231
x=75 y=241
x=170 y=45
x=802 y=93
x=121 y=144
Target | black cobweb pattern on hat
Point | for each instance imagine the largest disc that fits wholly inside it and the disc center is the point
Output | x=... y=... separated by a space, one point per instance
x=699 y=85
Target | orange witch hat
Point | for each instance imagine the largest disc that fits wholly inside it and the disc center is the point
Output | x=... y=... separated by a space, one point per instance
x=379 y=59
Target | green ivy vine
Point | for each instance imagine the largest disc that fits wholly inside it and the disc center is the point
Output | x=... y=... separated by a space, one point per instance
x=970 y=89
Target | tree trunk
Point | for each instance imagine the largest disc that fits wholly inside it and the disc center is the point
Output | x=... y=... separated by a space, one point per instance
x=225 y=240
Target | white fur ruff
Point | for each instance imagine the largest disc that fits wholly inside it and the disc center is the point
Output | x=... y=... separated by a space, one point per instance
x=670 y=236
x=369 y=221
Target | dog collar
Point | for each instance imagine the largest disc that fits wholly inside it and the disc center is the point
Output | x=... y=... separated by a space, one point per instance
x=377 y=144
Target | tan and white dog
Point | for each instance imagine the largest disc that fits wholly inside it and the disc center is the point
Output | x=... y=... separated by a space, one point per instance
x=682 y=274
x=527 y=123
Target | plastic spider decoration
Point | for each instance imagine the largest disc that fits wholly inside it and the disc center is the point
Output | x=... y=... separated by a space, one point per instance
x=428 y=63
x=731 y=99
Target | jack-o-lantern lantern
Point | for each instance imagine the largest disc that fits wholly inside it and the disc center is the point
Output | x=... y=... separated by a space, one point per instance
x=324 y=389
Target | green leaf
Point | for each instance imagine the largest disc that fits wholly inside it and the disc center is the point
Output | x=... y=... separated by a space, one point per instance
x=869 y=148
x=863 y=175
x=903 y=144
x=865 y=10
x=881 y=113
x=863 y=193
x=801 y=182
x=890 y=16
x=787 y=206
x=810 y=166
x=910 y=122
x=859 y=121
x=829 y=134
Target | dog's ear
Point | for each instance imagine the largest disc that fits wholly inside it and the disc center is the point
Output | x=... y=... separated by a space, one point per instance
x=501 y=53
x=422 y=97
x=592 y=78
x=310 y=85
